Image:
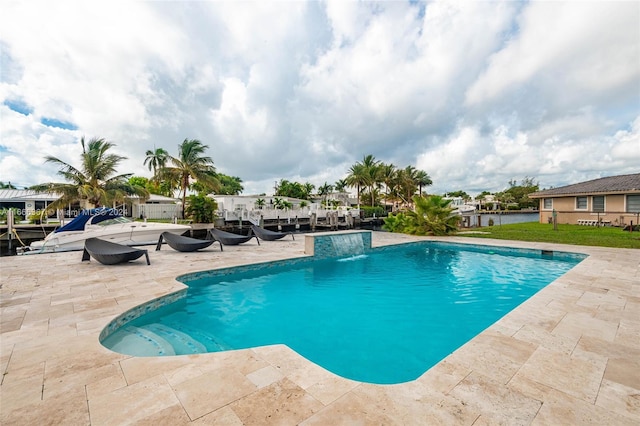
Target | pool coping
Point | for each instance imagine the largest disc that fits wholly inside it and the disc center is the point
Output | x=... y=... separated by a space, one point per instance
x=562 y=356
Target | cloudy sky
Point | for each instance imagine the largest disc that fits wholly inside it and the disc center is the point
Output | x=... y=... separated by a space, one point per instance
x=474 y=93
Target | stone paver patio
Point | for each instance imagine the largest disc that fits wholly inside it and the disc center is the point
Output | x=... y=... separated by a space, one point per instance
x=569 y=355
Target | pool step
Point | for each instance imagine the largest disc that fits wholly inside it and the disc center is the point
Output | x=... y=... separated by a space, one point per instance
x=182 y=343
x=155 y=340
x=137 y=341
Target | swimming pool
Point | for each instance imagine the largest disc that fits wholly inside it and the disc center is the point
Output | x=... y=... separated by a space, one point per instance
x=385 y=317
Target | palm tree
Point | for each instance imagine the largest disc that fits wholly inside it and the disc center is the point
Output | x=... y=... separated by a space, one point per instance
x=340 y=185
x=308 y=189
x=422 y=179
x=388 y=174
x=325 y=190
x=432 y=216
x=357 y=177
x=407 y=181
x=365 y=174
x=156 y=160
x=95 y=181
x=373 y=175
x=191 y=164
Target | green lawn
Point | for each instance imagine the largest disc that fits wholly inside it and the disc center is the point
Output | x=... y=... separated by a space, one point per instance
x=566 y=234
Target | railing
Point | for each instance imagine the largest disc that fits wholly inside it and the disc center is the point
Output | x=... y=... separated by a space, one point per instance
x=288 y=215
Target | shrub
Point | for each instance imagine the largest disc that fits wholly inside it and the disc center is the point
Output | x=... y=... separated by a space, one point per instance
x=35 y=218
x=201 y=209
x=369 y=211
x=432 y=216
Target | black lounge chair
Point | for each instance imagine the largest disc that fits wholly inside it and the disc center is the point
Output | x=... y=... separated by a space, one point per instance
x=182 y=243
x=231 y=239
x=267 y=235
x=109 y=253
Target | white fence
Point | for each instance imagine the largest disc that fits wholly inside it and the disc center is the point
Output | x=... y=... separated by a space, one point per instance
x=156 y=211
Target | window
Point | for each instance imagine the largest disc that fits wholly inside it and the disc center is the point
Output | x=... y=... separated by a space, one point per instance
x=547 y=204
x=633 y=203
x=581 y=203
x=598 y=203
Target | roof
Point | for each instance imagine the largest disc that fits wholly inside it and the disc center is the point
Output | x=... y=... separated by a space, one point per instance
x=26 y=194
x=607 y=185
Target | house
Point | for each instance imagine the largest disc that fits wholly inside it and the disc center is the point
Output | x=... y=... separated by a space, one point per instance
x=25 y=202
x=154 y=207
x=611 y=200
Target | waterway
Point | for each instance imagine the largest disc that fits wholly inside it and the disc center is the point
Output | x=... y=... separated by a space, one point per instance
x=509 y=218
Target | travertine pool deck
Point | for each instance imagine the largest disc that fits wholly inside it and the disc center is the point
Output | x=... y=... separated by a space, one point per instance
x=569 y=355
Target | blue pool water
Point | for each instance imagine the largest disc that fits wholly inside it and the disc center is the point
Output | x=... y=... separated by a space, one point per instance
x=385 y=317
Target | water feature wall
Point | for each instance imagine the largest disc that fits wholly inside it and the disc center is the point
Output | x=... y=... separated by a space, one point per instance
x=337 y=244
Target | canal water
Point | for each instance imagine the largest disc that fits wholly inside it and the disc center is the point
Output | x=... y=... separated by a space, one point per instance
x=509 y=218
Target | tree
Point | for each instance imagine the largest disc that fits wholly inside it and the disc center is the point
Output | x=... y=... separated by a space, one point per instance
x=191 y=164
x=7 y=185
x=340 y=185
x=156 y=160
x=461 y=194
x=293 y=189
x=229 y=185
x=422 y=179
x=388 y=173
x=520 y=193
x=407 y=179
x=365 y=174
x=95 y=181
x=373 y=175
x=201 y=208
x=325 y=190
x=308 y=190
x=357 y=178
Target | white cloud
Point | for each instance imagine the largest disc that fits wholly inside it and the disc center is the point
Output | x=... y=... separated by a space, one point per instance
x=576 y=50
x=474 y=93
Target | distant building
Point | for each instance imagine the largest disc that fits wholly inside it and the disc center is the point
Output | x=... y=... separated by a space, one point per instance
x=25 y=201
x=611 y=200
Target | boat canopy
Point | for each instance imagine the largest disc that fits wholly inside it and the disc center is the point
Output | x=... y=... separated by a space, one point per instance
x=100 y=214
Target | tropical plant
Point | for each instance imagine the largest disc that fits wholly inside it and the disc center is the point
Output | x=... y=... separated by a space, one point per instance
x=277 y=203
x=191 y=164
x=520 y=193
x=286 y=188
x=308 y=190
x=422 y=179
x=156 y=160
x=369 y=211
x=364 y=174
x=432 y=216
x=7 y=185
x=324 y=190
x=201 y=208
x=260 y=203
x=396 y=222
x=340 y=185
x=229 y=185
x=95 y=181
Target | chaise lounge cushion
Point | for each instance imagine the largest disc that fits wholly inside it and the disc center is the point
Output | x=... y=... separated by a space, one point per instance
x=109 y=253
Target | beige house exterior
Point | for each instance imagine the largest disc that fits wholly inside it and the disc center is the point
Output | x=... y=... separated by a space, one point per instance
x=611 y=200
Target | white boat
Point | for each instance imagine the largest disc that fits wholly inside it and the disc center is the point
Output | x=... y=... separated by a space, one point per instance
x=460 y=207
x=106 y=224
